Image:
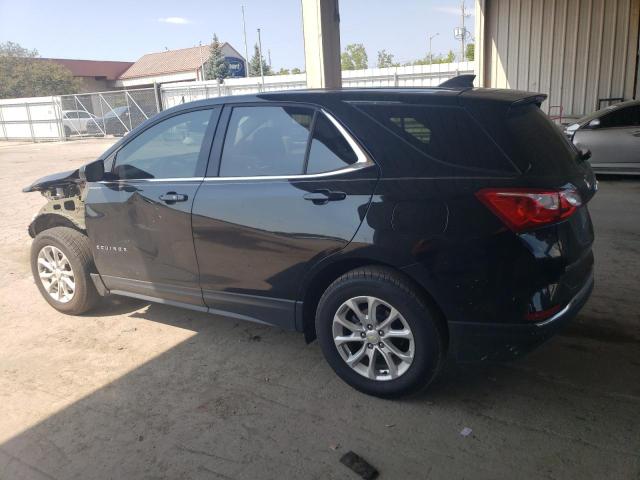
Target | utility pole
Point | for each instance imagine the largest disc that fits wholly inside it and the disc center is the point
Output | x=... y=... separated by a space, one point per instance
x=246 y=52
x=260 y=54
x=464 y=32
x=431 y=54
x=460 y=33
x=269 y=55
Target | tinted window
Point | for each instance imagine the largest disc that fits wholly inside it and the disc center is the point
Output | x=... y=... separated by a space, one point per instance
x=266 y=141
x=329 y=149
x=623 y=117
x=535 y=141
x=169 y=149
x=444 y=134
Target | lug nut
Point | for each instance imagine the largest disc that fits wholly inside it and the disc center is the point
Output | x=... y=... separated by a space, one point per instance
x=380 y=332
x=381 y=345
x=362 y=334
x=369 y=327
x=369 y=345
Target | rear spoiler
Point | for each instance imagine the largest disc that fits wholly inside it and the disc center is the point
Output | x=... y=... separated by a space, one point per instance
x=461 y=81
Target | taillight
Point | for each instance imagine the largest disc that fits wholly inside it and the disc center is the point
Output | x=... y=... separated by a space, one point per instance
x=524 y=209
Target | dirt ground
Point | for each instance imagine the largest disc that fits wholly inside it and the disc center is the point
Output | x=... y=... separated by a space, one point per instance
x=138 y=390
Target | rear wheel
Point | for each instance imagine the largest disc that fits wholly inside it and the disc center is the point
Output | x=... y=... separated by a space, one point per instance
x=61 y=263
x=379 y=334
x=67 y=132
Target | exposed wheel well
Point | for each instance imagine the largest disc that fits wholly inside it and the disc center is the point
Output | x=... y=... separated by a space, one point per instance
x=51 y=220
x=328 y=275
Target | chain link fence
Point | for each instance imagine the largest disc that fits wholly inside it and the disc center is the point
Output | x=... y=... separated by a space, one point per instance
x=106 y=113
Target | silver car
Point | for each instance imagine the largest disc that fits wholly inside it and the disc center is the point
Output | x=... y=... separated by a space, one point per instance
x=613 y=136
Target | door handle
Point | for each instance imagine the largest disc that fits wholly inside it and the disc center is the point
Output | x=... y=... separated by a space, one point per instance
x=321 y=197
x=173 y=197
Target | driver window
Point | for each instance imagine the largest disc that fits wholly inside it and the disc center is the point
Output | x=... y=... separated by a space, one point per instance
x=169 y=149
x=266 y=141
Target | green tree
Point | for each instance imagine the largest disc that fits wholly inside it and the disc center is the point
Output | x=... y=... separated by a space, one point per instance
x=283 y=71
x=385 y=59
x=470 y=52
x=24 y=74
x=216 y=67
x=254 y=63
x=296 y=70
x=354 y=57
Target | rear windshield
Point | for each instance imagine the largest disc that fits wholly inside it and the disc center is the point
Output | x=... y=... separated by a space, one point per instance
x=537 y=144
x=443 y=134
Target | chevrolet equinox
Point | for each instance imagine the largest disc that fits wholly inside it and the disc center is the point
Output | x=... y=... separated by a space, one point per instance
x=396 y=226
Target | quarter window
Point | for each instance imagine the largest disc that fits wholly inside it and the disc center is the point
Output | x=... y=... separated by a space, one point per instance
x=266 y=141
x=169 y=149
x=445 y=134
x=329 y=149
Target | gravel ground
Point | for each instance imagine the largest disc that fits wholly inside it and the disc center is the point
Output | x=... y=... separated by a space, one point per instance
x=138 y=390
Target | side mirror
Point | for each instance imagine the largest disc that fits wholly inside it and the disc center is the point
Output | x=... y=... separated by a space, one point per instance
x=92 y=172
x=595 y=123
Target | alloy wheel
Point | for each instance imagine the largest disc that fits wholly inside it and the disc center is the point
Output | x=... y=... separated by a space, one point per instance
x=56 y=274
x=373 y=338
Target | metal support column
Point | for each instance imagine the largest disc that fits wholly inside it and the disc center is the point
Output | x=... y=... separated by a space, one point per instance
x=321 y=29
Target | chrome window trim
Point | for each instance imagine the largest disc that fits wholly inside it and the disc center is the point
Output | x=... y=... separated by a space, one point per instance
x=363 y=161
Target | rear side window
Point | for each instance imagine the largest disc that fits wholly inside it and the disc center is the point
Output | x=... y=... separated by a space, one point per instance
x=329 y=149
x=444 y=134
x=266 y=141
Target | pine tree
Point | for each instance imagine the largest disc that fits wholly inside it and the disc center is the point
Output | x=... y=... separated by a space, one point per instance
x=254 y=64
x=216 y=67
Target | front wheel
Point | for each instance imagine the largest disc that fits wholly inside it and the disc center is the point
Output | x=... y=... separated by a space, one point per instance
x=61 y=263
x=379 y=334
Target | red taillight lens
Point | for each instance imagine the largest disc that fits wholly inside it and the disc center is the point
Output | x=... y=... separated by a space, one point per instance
x=524 y=209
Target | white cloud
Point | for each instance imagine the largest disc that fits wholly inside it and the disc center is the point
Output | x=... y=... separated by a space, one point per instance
x=175 y=20
x=451 y=10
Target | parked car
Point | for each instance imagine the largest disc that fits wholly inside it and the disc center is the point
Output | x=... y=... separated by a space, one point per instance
x=613 y=137
x=75 y=122
x=398 y=226
x=114 y=122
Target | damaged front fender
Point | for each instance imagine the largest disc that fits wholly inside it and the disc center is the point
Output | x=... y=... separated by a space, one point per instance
x=65 y=203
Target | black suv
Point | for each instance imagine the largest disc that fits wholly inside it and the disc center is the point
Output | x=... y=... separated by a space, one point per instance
x=396 y=226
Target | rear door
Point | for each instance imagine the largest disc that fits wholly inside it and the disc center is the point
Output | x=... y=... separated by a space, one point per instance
x=277 y=199
x=139 y=221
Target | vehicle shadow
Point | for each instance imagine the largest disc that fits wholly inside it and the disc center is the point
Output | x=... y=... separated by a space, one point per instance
x=241 y=400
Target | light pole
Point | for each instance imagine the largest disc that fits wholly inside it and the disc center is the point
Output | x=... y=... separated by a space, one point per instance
x=246 y=52
x=260 y=54
x=430 y=54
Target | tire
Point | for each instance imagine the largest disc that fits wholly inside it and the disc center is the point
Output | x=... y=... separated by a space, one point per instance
x=67 y=132
x=75 y=247
x=388 y=289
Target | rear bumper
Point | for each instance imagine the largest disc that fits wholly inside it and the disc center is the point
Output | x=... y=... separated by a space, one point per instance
x=481 y=341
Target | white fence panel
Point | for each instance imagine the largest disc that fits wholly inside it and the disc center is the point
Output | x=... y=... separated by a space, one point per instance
x=411 y=76
x=35 y=119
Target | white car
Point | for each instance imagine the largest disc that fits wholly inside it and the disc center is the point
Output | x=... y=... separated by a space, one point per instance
x=75 y=121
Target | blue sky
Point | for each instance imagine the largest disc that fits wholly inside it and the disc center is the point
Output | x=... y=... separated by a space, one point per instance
x=125 y=30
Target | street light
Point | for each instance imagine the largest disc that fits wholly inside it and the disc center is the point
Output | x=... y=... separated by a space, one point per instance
x=430 y=54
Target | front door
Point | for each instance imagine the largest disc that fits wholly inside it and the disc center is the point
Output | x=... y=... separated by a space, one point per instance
x=139 y=219
x=289 y=189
